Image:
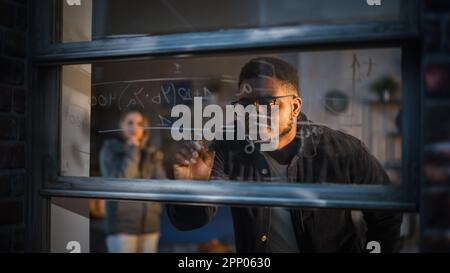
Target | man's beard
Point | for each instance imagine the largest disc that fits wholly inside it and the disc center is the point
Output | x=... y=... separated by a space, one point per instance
x=288 y=129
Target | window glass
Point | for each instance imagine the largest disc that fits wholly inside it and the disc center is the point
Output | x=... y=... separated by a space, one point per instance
x=89 y=20
x=132 y=119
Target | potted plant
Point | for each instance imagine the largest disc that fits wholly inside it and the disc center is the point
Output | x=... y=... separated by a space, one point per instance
x=385 y=88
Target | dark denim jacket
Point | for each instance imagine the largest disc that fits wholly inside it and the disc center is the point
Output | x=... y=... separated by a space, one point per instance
x=324 y=155
x=120 y=160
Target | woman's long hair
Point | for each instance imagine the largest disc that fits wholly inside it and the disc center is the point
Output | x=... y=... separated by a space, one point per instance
x=145 y=124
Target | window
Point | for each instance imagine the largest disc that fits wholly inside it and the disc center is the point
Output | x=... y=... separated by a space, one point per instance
x=97 y=59
x=94 y=96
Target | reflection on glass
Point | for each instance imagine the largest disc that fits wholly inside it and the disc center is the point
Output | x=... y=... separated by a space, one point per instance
x=86 y=20
x=356 y=92
x=215 y=237
x=332 y=117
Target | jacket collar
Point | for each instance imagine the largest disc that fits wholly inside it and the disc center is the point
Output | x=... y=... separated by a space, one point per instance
x=308 y=135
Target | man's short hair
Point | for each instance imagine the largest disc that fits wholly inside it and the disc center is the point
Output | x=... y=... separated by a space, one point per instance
x=271 y=67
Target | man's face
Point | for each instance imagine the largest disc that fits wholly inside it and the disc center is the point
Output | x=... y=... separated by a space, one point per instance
x=289 y=104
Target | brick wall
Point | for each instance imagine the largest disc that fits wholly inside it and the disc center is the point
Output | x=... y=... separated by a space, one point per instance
x=13 y=123
x=435 y=194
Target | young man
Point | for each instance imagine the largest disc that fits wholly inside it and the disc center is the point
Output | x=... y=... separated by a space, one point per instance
x=306 y=153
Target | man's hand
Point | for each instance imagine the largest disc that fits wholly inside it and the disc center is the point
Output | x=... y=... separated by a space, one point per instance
x=193 y=162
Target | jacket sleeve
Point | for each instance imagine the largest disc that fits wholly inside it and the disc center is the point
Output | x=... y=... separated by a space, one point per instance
x=186 y=217
x=382 y=226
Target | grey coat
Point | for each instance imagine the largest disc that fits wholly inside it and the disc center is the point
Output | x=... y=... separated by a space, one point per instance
x=120 y=160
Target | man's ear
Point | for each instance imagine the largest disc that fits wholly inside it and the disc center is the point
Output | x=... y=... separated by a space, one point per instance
x=296 y=106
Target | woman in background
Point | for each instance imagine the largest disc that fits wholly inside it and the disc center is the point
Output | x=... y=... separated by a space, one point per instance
x=132 y=226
